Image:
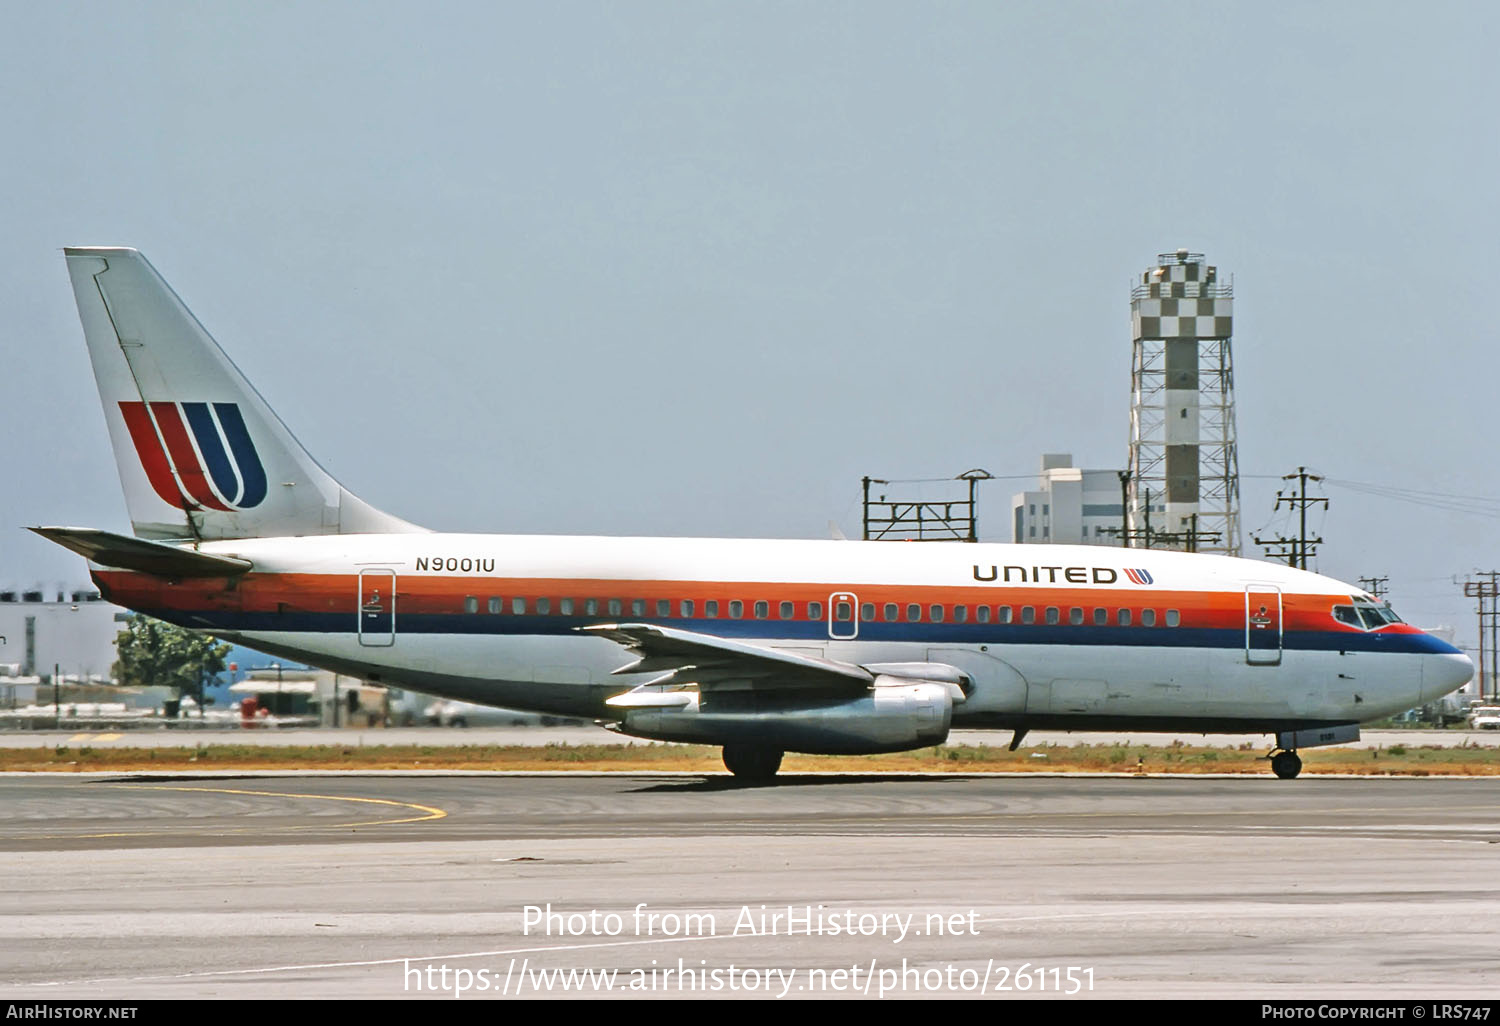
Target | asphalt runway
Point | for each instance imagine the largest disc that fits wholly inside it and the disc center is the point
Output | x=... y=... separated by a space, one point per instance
x=369 y=886
x=594 y=735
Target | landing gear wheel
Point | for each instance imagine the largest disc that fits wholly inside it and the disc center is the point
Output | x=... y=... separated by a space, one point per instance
x=750 y=763
x=1286 y=765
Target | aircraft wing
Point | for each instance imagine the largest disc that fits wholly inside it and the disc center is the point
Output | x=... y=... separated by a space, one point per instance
x=715 y=663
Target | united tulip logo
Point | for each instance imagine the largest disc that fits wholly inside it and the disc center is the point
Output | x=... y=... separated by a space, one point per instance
x=197 y=455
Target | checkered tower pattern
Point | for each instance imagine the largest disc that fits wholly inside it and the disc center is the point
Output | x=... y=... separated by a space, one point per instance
x=1179 y=311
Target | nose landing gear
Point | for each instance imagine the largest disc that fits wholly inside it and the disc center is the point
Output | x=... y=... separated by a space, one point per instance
x=1285 y=764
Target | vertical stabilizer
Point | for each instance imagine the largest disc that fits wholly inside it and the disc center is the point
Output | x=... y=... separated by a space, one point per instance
x=200 y=454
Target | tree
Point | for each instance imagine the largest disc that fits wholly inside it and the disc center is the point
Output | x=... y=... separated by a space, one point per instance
x=154 y=653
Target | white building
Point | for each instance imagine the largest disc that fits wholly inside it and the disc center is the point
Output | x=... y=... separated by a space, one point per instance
x=1069 y=506
x=74 y=631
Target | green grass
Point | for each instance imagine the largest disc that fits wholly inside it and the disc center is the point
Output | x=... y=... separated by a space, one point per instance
x=1109 y=757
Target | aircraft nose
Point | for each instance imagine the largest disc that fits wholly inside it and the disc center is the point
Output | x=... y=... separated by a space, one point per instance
x=1444 y=673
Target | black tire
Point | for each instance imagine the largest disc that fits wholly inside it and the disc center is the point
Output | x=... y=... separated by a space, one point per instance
x=751 y=763
x=1286 y=765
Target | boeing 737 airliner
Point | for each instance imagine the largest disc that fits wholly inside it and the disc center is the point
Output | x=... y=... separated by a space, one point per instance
x=762 y=647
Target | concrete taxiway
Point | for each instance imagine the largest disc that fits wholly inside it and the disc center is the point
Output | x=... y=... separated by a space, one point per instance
x=369 y=885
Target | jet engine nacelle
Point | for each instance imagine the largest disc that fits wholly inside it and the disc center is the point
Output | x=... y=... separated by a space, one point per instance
x=894 y=716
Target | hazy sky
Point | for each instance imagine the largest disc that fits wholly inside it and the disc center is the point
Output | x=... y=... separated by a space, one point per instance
x=694 y=268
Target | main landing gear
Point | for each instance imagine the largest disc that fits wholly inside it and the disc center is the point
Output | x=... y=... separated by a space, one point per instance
x=1286 y=765
x=752 y=764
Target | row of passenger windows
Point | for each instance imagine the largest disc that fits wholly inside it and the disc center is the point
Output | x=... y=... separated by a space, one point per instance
x=843 y=612
x=639 y=607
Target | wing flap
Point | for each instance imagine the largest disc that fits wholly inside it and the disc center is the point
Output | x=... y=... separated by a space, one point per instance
x=711 y=662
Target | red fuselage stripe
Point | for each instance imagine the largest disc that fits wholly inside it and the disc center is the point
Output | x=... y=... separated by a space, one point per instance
x=416 y=594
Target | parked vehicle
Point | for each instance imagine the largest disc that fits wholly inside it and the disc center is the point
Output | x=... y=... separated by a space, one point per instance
x=1485 y=717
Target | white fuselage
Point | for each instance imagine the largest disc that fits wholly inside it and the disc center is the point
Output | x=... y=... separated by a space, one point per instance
x=1074 y=636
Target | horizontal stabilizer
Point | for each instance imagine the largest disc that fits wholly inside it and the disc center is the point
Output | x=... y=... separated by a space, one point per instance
x=148 y=557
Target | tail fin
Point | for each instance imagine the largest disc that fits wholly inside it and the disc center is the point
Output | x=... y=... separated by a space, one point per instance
x=200 y=454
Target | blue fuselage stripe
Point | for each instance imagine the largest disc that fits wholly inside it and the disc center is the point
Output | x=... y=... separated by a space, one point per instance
x=817 y=632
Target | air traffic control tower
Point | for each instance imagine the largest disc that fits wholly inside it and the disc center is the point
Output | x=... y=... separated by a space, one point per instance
x=1184 y=486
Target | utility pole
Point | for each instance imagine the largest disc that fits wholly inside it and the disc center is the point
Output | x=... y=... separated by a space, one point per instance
x=1486 y=591
x=1188 y=539
x=923 y=520
x=1295 y=550
x=1375 y=586
x=866 y=506
x=1124 y=476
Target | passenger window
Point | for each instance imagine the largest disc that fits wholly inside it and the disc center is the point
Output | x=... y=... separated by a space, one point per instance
x=815 y=610
x=685 y=607
x=1028 y=614
x=892 y=612
x=762 y=610
x=1173 y=618
x=565 y=606
x=544 y=606
x=471 y=604
x=637 y=607
x=1052 y=616
x=867 y=612
x=1101 y=617
x=663 y=607
x=914 y=613
x=960 y=614
x=786 y=611
x=1148 y=618
x=518 y=606
x=736 y=609
x=1003 y=614
x=495 y=604
x=616 y=607
x=711 y=609
x=1075 y=616
x=935 y=612
x=843 y=612
x=1124 y=619
x=982 y=614
x=590 y=607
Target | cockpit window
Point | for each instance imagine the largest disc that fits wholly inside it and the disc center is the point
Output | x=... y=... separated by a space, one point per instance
x=1366 y=615
x=1346 y=614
